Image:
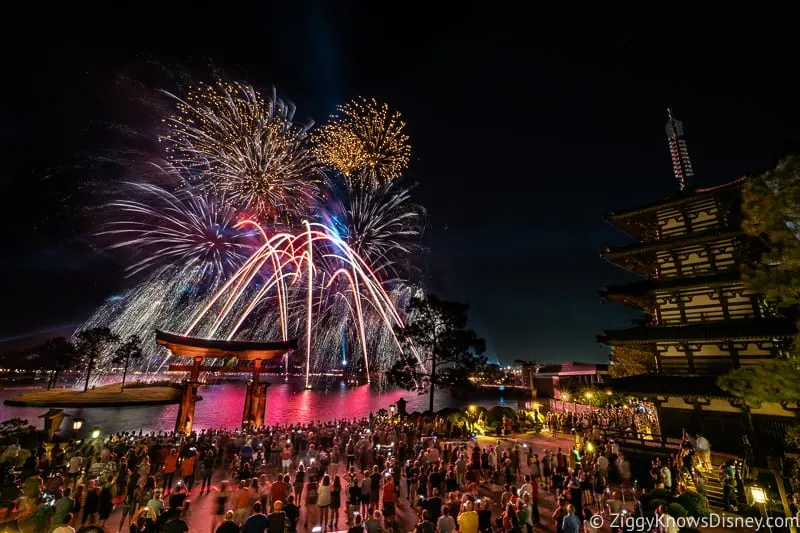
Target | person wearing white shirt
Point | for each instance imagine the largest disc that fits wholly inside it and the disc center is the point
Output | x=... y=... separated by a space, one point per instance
x=704 y=450
x=666 y=477
x=602 y=463
x=526 y=487
x=74 y=469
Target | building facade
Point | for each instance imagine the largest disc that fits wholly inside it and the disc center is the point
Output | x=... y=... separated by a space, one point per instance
x=700 y=319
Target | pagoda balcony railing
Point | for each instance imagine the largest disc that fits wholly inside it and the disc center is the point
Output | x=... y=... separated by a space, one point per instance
x=642 y=441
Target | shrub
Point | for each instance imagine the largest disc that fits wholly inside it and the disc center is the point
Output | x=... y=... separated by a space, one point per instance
x=496 y=413
x=20 y=431
x=676 y=510
x=654 y=503
x=661 y=494
x=691 y=501
x=703 y=513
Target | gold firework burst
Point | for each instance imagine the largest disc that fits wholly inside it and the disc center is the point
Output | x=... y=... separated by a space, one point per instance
x=245 y=147
x=365 y=141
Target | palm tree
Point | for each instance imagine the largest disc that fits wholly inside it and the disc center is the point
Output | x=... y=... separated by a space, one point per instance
x=91 y=344
x=127 y=351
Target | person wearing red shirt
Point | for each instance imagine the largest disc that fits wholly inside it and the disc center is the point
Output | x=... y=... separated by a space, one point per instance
x=388 y=501
x=278 y=490
x=169 y=467
x=187 y=471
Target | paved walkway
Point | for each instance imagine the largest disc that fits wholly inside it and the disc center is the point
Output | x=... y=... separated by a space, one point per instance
x=201 y=515
x=200 y=518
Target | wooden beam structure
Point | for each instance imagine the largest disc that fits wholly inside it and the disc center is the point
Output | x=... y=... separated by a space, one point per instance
x=198 y=349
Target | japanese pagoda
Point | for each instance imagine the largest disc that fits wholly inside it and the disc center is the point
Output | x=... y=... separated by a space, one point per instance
x=700 y=319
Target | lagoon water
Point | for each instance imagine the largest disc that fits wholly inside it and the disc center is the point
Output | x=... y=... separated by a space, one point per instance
x=222 y=405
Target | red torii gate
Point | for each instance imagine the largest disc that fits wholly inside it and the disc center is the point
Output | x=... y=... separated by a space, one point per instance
x=255 y=401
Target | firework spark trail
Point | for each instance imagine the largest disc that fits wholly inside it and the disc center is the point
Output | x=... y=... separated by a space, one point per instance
x=362 y=283
x=309 y=309
x=359 y=316
x=245 y=146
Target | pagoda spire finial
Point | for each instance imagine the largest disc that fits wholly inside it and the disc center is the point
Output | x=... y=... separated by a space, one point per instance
x=681 y=164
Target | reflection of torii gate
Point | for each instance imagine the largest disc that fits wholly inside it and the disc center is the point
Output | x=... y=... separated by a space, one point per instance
x=255 y=401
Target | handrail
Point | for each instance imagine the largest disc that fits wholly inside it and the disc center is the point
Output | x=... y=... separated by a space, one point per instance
x=645 y=441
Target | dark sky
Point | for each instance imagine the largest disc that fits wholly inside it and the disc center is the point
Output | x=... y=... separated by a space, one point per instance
x=526 y=130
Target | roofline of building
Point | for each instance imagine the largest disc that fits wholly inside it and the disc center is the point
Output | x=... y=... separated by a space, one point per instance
x=680 y=240
x=733 y=329
x=648 y=286
x=676 y=199
x=647 y=385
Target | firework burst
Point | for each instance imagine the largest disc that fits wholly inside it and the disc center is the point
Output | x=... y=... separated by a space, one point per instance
x=365 y=141
x=380 y=224
x=185 y=245
x=244 y=147
x=167 y=229
x=254 y=242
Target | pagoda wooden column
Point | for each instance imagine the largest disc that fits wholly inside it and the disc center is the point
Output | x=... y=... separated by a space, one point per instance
x=687 y=222
x=755 y=302
x=697 y=412
x=185 y=420
x=681 y=305
x=689 y=357
x=255 y=400
x=712 y=260
x=734 y=354
x=723 y=302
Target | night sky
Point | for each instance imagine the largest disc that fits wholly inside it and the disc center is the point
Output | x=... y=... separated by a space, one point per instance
x=526 y=131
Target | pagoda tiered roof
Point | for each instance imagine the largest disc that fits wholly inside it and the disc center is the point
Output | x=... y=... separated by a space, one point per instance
x=666 y=385
x=635 y=256
x=642 y=222
x=741 y=329
x=640 y=293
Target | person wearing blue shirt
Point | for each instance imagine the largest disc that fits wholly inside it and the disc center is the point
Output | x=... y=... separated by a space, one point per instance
x=572 y=524
x=258 y=522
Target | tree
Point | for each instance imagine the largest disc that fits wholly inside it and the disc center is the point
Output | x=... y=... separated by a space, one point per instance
x=773 y=381
x=448 y=351
x=771 y=214
x=125 y=352
x=629 y=361
x=91 y=343
x=56 y=354
x=491 y=373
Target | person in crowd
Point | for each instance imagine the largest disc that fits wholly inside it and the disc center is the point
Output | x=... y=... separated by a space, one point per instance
x=358 y=526
x=374 y=524
x=468 y=519
x=571 y=523
x=64 y=527
x=256 y=522
x=228 y=525
x=446 y=523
